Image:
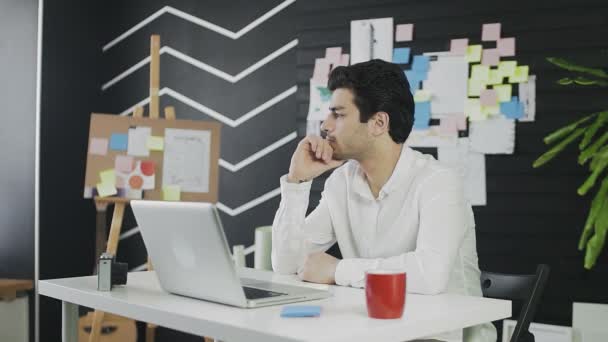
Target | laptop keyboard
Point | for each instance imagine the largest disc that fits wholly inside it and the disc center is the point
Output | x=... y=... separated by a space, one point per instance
x=253 y=293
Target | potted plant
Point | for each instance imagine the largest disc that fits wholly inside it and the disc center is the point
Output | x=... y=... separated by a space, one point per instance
x=592 y=132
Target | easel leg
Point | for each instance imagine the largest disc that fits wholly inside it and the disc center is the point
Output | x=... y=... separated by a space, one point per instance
x=117 y=216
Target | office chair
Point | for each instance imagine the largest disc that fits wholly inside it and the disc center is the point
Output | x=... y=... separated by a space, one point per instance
x=526 y=289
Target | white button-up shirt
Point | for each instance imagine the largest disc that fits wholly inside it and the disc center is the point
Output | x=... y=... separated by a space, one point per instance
x=420 y=222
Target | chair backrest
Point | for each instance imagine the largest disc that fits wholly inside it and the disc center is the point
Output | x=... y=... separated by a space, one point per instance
x=527 y=288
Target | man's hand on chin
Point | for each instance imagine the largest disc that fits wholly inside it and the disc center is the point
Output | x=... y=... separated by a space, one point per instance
x=319 y=268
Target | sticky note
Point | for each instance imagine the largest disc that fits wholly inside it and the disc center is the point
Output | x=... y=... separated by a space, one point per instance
x=475 y=87
x=119 y=141
x=321 y=70
x=490 y=32
x=520 y=75
x=414 y=78
x=421 y=63
x=506 y=47
x=480 y=72
x=124 y=164
x=171 y=192
x=105 y=190
x=404 y=32
x=301 y=311
x=490 y=110
x=513 y=109
x=422 y=108
x=448 y=126
x=155 y=143
x=401 y=55
x=472 y=109
x=422 y=115
x=333 y=55
x=473 y=54
x=490 y=57
x=344 y=59
x=422 y=96
x=507 y=68
x=459 y=46
x=98 y=146
x=503 y=91
x=488 y=97
x=494 y=77
x=108 y=177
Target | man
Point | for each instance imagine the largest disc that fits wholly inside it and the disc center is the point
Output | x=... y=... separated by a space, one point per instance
x=386 y=205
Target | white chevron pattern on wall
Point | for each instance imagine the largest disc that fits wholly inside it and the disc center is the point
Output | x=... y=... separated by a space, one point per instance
x=200 y=22
x=202 y=65
x=234 y=168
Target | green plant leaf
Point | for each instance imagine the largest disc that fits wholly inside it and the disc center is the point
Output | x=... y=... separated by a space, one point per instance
x=596 y=242
x=596 y=204
x=598 y=157
x=565 y=81
x=593 y=128
x=591 y=150
x=564 y=131
x=547 y=156
x=590 y=181
x=570 y=66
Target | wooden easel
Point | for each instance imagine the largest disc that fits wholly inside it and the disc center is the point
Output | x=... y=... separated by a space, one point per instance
x=120 y=204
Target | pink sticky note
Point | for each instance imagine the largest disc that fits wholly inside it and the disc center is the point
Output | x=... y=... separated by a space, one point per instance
x=490 y=57
x=461 y=121
x=490 y=32
x=333 y=55
x=124 y=164
x=98 y=146
x=344 y=59
x=459 y=46
x=404 y=32
x=506 y=47
x=321 y=71
x=448 y=126
x=488 y=97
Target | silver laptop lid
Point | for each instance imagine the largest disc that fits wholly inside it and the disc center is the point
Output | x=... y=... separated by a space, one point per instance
x=189 y=251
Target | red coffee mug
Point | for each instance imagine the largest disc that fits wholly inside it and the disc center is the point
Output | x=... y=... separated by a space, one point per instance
x=385 y=293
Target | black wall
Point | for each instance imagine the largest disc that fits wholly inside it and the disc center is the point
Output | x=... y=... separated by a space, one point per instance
x=533 y=215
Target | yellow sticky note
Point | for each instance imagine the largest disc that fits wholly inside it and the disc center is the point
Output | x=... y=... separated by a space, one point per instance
x=105 y=189
x=507 y=68
x=480 y=72
x=490 y=110
x=475 y=87
x=504 y=92
x=473 y=111
x=520 y=75
x=473 y=54
x=422 y=96
x=171 y=192
x=494 y=77
x=108 y=177
x=155 y=143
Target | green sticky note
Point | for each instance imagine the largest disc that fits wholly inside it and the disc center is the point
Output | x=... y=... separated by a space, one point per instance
x=475 y=87
x=490 y=110
x=473 y=110
x=520 y=75
x=155 y=143
x=480 y=72
x=473 y=54
x=171 y=192
x=494 y=77
x=106 y=189
x=507 y=68
x=108 y=177
x=504 y=92
x=422 y=96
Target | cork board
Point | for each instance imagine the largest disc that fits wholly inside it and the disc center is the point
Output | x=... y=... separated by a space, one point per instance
x=182 y=154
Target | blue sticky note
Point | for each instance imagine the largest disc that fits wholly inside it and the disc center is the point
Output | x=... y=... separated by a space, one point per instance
x=301 y=311
x=422 y=115
x=119 y=141
x=513 y=109
x=414 y=78
x=421 y=63
x=401 y=55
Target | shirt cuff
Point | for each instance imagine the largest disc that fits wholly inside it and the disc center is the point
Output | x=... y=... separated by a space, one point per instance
x=287 y=187
x=347 y=273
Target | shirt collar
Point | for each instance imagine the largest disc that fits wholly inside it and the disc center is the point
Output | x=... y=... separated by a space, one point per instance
x=397 y=178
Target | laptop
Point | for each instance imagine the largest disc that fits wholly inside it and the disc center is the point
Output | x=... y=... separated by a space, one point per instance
x=191 y=257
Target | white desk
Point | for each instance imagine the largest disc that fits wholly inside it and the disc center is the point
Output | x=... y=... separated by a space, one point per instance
x=343 y=316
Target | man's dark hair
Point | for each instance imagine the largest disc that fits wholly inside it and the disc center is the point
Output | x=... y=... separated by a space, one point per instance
x=378 y=86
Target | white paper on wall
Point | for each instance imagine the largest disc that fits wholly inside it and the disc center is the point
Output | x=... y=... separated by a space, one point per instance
x=527 y=95
x=495 y=135
x=432 y=137
x=138 y=137
x=319 y=100
x=370 y=39
x=186 y=160
x=447 y=81
x=470 y=165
